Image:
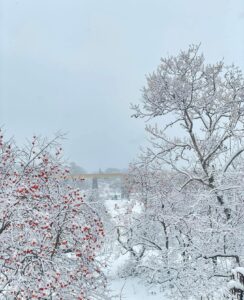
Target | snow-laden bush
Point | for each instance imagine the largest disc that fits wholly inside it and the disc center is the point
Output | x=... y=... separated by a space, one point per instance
x=49 y=234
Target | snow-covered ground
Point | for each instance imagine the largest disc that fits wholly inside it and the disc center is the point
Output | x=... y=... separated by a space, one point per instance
x=132 y=289
x=129 y=288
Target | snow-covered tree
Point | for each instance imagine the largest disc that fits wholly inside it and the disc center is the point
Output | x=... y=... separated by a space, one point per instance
x=49 y=234
x=205 y=104
x=191 y=228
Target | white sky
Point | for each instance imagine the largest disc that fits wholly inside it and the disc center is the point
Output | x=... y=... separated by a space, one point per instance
x=76 y=65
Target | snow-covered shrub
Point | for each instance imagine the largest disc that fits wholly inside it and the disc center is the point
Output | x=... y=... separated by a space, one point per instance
x=49 y=234
x=236 y=284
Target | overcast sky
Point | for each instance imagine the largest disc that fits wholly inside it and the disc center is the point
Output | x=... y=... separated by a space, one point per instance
x=76 y=65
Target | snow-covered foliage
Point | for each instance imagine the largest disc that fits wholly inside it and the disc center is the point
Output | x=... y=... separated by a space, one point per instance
x=189 y=233
x=236 y=284
x=49 y=234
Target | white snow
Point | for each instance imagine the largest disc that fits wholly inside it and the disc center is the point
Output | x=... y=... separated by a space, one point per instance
x=238 y=270
x=129 y=288
x=132 y=289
